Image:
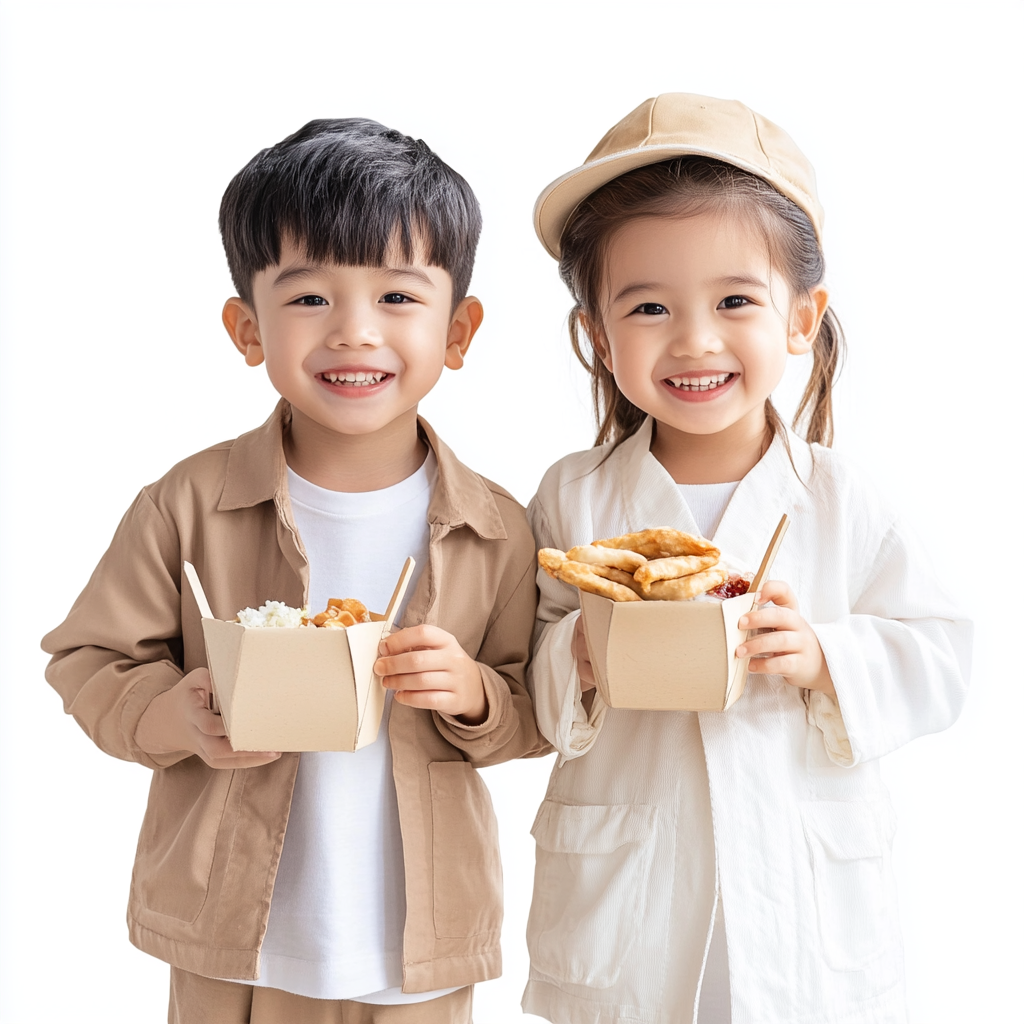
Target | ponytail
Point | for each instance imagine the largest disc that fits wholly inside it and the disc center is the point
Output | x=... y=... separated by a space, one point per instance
x=814 y=413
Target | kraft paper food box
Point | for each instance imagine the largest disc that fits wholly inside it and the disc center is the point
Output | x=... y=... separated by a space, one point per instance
x=671 y=655
x=297 y=688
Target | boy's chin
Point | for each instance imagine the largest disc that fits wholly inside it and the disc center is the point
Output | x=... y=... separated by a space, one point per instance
x=356 y=422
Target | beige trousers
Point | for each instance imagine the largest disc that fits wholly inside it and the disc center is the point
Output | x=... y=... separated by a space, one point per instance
x=199 y=1000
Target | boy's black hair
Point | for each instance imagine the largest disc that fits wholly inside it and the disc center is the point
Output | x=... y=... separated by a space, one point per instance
x=349 y=189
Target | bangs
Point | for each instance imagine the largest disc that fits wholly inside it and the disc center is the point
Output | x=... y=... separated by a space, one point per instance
x=354 y=193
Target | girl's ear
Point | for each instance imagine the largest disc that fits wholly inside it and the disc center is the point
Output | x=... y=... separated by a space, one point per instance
x=805 y=319
x=468 y=316
x=598 y=340
x=240 y=322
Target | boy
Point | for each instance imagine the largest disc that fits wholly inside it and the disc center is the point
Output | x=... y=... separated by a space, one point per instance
x=327 y=886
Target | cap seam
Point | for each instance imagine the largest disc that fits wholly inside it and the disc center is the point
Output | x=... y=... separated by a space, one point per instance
x=650 y=123
x=757 y=133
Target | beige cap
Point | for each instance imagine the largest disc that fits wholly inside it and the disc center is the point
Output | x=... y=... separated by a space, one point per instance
x=682 y=124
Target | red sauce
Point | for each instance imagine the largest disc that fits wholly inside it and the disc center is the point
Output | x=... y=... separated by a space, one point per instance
x=734 y=586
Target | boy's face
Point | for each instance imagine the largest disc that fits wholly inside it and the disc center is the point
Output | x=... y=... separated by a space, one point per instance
x=352 y=348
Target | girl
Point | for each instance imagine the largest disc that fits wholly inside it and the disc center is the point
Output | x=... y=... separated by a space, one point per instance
x=730 y=866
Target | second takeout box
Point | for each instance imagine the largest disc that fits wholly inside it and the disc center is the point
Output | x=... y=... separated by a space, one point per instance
x=671 y=655
x=296 y=689
x=666 y=655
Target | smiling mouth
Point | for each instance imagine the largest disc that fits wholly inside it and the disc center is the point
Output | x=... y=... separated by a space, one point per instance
x=355 y=378
x=702 y=382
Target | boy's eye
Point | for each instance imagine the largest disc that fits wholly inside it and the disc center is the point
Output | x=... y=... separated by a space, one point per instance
x=311 y=300
x=651 y=309
x=395 y=298
x=733 y=302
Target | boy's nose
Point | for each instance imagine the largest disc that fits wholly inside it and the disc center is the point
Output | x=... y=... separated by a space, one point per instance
x=350 y=330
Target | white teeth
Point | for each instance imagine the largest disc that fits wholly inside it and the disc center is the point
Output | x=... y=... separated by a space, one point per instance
x=707 y=383
x=356 y=378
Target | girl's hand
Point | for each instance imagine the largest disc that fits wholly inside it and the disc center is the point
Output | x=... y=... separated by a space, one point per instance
x=180 y=719
x=582 y=656
x=427 y=668
x=791 y=649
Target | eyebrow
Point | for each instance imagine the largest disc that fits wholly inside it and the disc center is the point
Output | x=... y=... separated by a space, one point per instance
x=644 y=286
x=311 y=270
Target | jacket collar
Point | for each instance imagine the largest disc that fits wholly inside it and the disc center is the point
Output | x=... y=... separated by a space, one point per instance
x=257 y=472
x=651 y=497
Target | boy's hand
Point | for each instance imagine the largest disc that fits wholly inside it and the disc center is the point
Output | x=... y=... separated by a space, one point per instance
x=791 y=649
x=582 y=655
x=180 y=719
x=427 y=668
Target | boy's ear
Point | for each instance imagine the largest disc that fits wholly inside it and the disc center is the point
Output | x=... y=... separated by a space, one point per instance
x=805 y=319
x=468 y=316
x=240 y=322
x=598 y=340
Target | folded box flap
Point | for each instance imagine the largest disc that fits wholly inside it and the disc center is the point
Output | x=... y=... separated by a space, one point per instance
x=197 y=590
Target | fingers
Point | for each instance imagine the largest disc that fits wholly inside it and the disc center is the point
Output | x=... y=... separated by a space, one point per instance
x=415 y=637
x=431 y=700
x=415 y=669
x=765 y=644
x=786 y=665
x=581 y=653
x=240 y=758
x=771 y=617
x=778 y=593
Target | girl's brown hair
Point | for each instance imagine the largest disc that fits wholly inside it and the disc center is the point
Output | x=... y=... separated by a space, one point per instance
x=686 y=187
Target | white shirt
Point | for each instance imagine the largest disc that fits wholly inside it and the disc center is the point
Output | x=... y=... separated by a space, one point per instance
x=338 y=908
x=778 y=802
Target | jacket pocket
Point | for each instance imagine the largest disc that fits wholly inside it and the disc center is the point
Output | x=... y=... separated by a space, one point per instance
x=179 y=838
x=589 y=890
x=466 y=862
x=850 y=845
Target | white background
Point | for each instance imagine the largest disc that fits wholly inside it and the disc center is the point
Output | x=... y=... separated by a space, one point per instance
x=122 y=124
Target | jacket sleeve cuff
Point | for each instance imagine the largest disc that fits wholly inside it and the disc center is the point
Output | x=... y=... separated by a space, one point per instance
x=557 y=696
x=499 y=710
x=823 y=712
x=133 y=708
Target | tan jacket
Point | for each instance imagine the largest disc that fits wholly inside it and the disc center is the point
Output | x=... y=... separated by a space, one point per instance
x=212 y=838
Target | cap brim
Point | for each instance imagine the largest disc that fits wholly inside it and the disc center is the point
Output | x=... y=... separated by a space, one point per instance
x=555 y=205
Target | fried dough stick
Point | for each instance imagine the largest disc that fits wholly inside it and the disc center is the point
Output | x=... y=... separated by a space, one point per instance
x=579 y=574
x=672 y=568
x=661 y=542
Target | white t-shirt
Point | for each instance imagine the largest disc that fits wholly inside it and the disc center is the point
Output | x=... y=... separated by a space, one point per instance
x=338 y=911
x=708 y=502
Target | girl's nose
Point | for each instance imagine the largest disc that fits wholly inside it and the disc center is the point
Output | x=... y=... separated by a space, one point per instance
x=694 y=336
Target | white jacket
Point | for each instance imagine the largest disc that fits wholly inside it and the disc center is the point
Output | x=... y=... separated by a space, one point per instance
x=779 y=798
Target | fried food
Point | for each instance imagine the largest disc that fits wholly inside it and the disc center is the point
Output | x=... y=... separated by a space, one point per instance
x=355 y=608
x=619 y=576
x=616 y=558
x=339 y=613
x=687 y=587
x=661 y=542
x=581 y=575
x=672 y=568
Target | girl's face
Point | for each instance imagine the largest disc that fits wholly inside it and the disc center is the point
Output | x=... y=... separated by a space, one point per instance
x=697 y=326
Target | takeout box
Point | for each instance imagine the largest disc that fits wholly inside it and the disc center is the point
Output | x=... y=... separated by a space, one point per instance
x=301 y=688
x=671 y=655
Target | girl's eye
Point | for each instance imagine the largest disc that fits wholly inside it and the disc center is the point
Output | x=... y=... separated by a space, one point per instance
x=651 y=309
x=733 y=302
x=395 y=298
x=311 y=300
